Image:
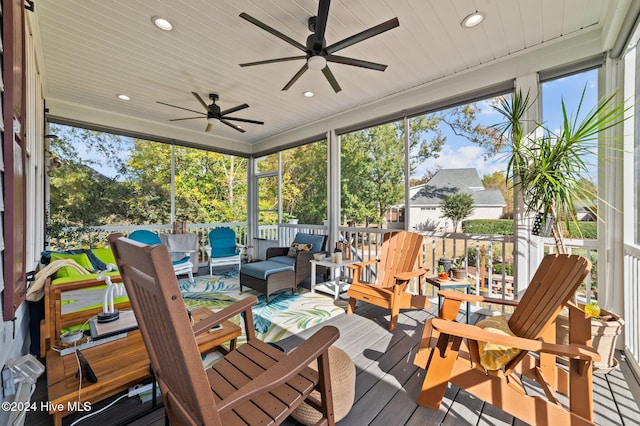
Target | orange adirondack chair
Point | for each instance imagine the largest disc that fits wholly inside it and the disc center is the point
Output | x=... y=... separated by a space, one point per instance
x=399 y=262
x=253 y=384
x=451 y=352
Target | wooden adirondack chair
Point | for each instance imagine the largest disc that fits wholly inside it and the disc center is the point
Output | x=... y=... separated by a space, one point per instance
x=399 y=262
x=449 y=351
x=253 y=384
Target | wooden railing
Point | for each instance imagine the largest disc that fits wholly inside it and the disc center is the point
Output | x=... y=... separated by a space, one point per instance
x=588 y=291
x=474 y=250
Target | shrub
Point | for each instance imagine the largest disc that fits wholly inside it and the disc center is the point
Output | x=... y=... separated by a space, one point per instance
x=497 y=268
x=488 y=226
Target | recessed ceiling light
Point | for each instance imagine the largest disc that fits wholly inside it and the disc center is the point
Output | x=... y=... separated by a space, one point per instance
x=123 y=97
x=161 y=23
x=472 y=20
x=307 y=94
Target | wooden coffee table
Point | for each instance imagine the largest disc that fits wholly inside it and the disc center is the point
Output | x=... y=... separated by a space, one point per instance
x=118 y=365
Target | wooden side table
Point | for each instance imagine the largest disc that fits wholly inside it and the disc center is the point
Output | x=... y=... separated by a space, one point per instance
x=451 y=285
x=118 y=365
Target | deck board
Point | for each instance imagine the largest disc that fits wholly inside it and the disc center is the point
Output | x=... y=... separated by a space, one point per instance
x=387 y=382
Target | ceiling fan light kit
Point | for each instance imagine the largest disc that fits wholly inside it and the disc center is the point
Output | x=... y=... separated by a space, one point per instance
x=316 y=52
x=316 y=62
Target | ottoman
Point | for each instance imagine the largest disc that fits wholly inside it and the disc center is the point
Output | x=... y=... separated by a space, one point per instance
x=343 y=389
x=268 y=277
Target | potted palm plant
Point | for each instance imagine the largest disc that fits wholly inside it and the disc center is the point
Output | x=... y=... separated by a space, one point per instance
x=548 y=168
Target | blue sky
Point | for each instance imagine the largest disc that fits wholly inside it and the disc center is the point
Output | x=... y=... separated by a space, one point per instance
x=458 y=152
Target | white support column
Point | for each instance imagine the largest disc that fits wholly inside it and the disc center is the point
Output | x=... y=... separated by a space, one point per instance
x=611 y=190
x=407 y=175
x=173 y=183
x=333 y=187
x=528 y=248
x=252 y=208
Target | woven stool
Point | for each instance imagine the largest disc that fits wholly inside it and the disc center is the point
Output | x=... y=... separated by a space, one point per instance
x=343 y=388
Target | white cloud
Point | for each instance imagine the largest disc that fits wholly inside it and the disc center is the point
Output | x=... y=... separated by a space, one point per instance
x=462 y=157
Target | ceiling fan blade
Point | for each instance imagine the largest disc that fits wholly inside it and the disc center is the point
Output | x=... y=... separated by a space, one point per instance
x=356 y=62
x=202 y=102
x=271 y=61
x=209 y=127
x=321 y=24
x=186 y=109
x=245 y=120
x=357 y=38
x=188 y=118
x=296 y=77
x=331 y=79
x=238 y=128
x=273 y=31
x=234 y=109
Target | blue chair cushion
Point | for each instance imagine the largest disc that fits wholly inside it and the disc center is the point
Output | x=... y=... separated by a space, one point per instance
x=145 y=237
x=223 y=242
x=262 y=270
x=315 y=241
x=283 y=260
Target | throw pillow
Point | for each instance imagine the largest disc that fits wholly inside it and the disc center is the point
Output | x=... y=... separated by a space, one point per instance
x=494 y=356
x=80 y=258
x=298 y=247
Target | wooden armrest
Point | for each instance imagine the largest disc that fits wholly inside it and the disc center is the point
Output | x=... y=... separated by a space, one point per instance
x=463 y=297
x=284 y=369
x=80 y=284
x=406 y=276
x=475 y=333
x=359 y=265
x=216 y=318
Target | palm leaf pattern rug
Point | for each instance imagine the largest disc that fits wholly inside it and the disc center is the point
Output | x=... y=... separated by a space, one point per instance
x=286 y=314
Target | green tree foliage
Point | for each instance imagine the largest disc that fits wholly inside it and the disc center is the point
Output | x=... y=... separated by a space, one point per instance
x=457 y=207
x=372 y=160
x=80 y=196
x=372 y=172
x=304 y=182
x=210 y=187
x=497 y=180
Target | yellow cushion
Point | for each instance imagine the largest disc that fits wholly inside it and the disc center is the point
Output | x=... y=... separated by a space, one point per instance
x=493 y=356
x=67 y=271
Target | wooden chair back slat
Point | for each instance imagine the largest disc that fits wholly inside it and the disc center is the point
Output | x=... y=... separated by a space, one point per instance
x=398 y=254
x=556 y=280
x=166 y=328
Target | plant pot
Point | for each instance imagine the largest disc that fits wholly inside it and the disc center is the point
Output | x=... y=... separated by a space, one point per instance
x=443 y=276
x=446 y=263
x=540 y=229
x=293 y=221
x=604 y=334
x=458 y=273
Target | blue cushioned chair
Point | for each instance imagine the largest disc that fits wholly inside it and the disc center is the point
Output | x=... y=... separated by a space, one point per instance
x=182 y=263
x=300 y=262
x=223 y=248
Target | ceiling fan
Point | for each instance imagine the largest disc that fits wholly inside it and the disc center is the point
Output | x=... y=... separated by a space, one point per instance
x=317 y=53
x=213 y=113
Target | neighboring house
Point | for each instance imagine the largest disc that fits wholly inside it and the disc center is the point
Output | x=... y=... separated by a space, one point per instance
x=425 y=199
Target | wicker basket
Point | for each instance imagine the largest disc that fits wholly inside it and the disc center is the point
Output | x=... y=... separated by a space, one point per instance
x=343 y=386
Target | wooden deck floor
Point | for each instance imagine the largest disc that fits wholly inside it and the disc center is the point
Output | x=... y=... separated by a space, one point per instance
x=387 y=382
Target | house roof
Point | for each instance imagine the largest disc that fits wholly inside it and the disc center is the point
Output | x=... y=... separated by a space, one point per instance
x=451 y=181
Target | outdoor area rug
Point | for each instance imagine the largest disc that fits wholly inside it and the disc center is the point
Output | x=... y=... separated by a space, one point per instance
x=286 y=314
